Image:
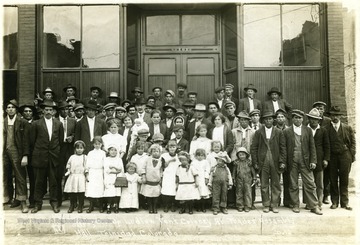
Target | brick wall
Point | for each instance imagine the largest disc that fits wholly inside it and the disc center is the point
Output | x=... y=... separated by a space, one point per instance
x=336 y=55
x=27 y=53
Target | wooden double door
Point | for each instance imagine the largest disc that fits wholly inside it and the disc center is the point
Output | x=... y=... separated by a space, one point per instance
x=200 y=72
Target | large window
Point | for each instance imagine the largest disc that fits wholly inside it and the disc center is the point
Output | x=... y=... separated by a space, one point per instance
x=72 y=38
x=276 y=35
x=10 y=33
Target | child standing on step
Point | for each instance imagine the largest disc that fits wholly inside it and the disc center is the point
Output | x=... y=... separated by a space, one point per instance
x=129 y=195
x=75 y=184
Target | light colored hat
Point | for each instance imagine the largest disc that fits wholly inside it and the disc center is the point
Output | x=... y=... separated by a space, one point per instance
x=319 y=103
x=120 y=108
x=143 y=131
x=255 y=111
x=170 y=92
x=298 y=113
x=72 y=98
x=229 y=85
x=114 y=95
x=109 y=106
x=200 y=107
x=224 y=156
x=48 y=90
x=229 y=103
x=242 y=149
x=314 y=113
x=13 y=102
x=158 y=137
x=243 y=114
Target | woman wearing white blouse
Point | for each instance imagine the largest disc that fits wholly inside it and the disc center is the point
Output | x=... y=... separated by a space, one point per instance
x=222 y=132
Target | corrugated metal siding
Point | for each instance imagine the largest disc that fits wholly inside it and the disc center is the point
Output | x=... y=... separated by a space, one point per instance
x=108 y=81
x=59 y=80
x=203 y=85
x=263 y=81
x=302 y=88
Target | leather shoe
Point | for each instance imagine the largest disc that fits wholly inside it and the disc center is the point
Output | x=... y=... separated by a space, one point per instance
x=224 y=211
x=246 y=209
x=316 y=211
x=15 y=203
x=56 y=209
x=296 y=210
x=35 y=209
x=275 y=210
x=347 y=207
x=24 y=208
x=326 y=200
x=334 y=206
x=215 y=212
x=266 y=210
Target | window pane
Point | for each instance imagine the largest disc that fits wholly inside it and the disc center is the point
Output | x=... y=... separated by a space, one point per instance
x=10 y=30
x=61 y=36
x=198 y=29
x=101 y=37
x=301 y=35
x=163 y=30
x=262 y=41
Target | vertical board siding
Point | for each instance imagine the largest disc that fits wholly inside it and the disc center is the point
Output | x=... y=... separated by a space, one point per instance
x=59 y=80
x=232 y=78
x=263 y=82
x=108 y=81
x=165 y=82
x=132 y=82
x=302 y=88
x=203 y=85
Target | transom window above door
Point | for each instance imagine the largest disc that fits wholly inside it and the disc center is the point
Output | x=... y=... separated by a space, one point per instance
x=175 y=30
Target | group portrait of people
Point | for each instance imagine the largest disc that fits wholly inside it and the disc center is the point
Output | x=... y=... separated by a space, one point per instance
x=167 y=151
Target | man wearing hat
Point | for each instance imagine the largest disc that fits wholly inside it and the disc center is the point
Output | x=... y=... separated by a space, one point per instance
x=138 y=93
x=192 y=96
x=213 y=108
x=66 y=147
x=255 y=119
x=169 y=111
x=301 y=158
x=183 y=144
x=149 y=107
x=322 y=146
x=189 y=107
x=120 y=113
x=342 y=155
x=321 y=106
x=46 y=136
x=268 y=152
x=48 y=94
x=229 y=90
x=231 y=119
x=249 y=103
x=72 y=101
x=140 y=111
x=94 y=96
x=199 y=116
x=114 y=98
x=181 y=93
x=276 y=103
x=69 y=90
x=28 y=112
x=280 y=121
x=170 y=98
x=15 y=156
x=220 y=98
x=89 y=126
x=109 y=109
x=159 y=101
x=79 y=110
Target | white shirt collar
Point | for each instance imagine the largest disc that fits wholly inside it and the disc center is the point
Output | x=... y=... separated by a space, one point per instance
x=314 y=130
x=297 y=130
x=337 y=125
x=92 y=119
x=268 y=132
x=11 y=121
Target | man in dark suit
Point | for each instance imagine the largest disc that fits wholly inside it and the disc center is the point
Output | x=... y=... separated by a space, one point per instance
x=220 y=98
x=229 y=90
x=89 y=127
x=15 y=156
x=322 y=146
x=249 y=103
x=157 y=126
x=66 y=147
x=47 y=134
x=276 y=103
x=342 y=155
x=301 y=158
x=94 y=96
x=140 y=111
x=200 y=111
x=268 y=152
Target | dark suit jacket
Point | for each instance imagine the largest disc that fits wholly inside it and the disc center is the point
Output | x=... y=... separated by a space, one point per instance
x=277 y=145
x=67 y=148
x=322 y=146
x=244 y=105
x=82 y=131
x=163 y=130
x=183 y=145
x=307 y=146
x=228 y=139
x=21 y=134
x=348 y=137
x=191 y=128
x=325 y=122
x=100 y=101
x=268 y=106
x=45 y=151
x=147 y=117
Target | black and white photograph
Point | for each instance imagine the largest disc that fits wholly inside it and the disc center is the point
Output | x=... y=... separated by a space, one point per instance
x=180 y=122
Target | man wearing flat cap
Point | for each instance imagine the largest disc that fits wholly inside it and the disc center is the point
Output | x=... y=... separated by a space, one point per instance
x=321 y=106
x=275 y=103
x=170 y=98
x=159 y=100
x=268 y=153
x=181 y=93
x=229 y=90
x=249 y=103
x=46 y=136
x=79 y=111
x=16 y=149
x=89 y=126
x=231 y=119
x=342 y=155
x=301 y=158
x=255 y=119
x=94 y=96
x=199 y=116
x=138 y=93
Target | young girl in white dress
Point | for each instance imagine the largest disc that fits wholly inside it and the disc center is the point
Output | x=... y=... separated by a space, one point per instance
x=95 y=175
x=186 y=183
x=202 y=167
x=201 y=141
x=75 y=184
x=129 y=195
x=113 y=167
x=114 y=138
x=168 y=188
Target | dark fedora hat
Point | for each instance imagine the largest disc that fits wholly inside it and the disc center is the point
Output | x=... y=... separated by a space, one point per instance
x=13 y=102
x=166 y=107
x=274 y=90
x=140 y=101
x=22 y=108
x=137 y=89
x=48 y=103
x=156 y=88
x=335 y=110
x=149 y=105
x=182 y=85
x=188 y=103
x=72 y=98
x=126 y=101
x=95 y=88
x=268 y=114
x=243 y=114
x=62 y=104
x=91 y=105
x=250 y=86
x=319 y=103
x=69 y=86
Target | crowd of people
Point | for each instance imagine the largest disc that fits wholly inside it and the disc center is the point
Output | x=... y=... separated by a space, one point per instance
x=169 y=151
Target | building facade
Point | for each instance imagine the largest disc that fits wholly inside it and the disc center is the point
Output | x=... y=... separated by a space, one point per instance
x=296 y=47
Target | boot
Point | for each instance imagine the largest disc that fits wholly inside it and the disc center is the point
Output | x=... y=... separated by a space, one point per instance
x=24 y=208
x=91 y=207
x=155 y=205
x=116 y=208
x=102 y=205
x=173 y=207
x=72 y=203
x=81 y=202
x=182 y=208
x=108 y=209
x=191 y=204
x=203 y=206
x=151 y=206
